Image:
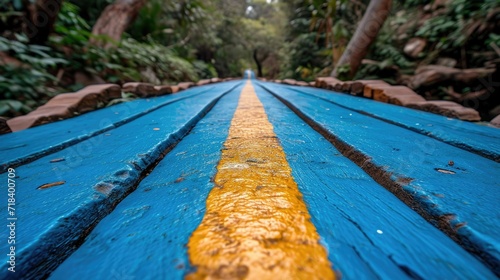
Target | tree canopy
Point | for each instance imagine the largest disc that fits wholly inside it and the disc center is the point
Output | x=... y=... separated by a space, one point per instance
x=47 y=48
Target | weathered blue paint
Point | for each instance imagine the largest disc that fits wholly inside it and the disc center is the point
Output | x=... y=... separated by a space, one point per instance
x=24 y=146
x=146 y=235
x=368 y=232
x=98 y=173
x=482 y=140
x=464 y=202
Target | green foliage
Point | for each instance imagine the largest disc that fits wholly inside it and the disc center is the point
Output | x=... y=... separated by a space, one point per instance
x=494 y=39
x=34 y=55
x=72 y=28
x=31 y=82
x=150 y=24
x=319 y=32
x=343 y=72
x=454 y=23
x=90 y=10
x=387 y=50
x=69 y=17
x=305 y=53
x=162 y=60
x=454 y=29
x=131 y=59
x=127 y=62
x=13 y=107
x=307 y=73
x=408 y=4
x=22 y=83
x=204 y=70
x=439 y=29
x=27 y=81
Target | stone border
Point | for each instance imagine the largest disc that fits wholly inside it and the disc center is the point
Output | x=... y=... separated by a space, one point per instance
x=93 y=97
x=398 y=95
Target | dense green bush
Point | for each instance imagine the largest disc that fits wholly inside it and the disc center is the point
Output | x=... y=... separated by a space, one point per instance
x=31 y=82
x=306 y=57
x=131 y=60
x=26 y=84
x=204 y=70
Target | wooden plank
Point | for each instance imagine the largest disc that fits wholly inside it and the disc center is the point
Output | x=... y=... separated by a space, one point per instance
x=368 y=232
x=97 y=174
x=147 y=232
x=257 y=208
x=156 y=221
x=456 y=190
x=479 y=139
x=25 y=146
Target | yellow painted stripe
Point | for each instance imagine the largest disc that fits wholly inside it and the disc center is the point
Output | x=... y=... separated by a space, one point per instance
x=256 y=225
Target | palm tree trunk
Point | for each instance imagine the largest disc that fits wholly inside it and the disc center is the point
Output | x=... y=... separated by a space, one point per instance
x=367 y=31
x=115 y=19
x=259 y=65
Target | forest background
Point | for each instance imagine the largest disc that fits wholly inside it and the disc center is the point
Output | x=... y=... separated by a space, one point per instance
x=443 y=49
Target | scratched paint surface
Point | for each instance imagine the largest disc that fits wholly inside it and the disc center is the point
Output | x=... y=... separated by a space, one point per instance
x=369 y=233
x=25 y=145
x=478 y=138
x=465 y=200
x=98 y=173
x=365 y=232
x=256 y=224
x=145 y=237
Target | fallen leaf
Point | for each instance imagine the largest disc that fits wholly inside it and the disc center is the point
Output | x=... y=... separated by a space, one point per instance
x=180 y=179
x=444 y=171
x=57 y=160
x=50 y=185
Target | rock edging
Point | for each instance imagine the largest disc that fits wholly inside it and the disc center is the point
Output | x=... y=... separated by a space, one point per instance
x=398 y=95
x=90 y=98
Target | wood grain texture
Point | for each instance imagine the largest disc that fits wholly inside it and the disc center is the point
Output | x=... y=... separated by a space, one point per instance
x=94 y=204
x=256 y=225
x=98 y=173
x=25 y=146
x=145 y=237
x=463 y=203
x=369 y=233
x=482 y=140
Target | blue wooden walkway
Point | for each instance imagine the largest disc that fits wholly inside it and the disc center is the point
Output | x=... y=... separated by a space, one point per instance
x=129 y=191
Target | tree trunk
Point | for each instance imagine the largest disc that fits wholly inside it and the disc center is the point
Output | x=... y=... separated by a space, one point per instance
x=371 y=23
x=115 y=19
x=259 y=65
x=40 y=19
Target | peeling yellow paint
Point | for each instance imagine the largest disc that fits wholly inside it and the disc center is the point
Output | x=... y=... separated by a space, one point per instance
x=256 y=225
